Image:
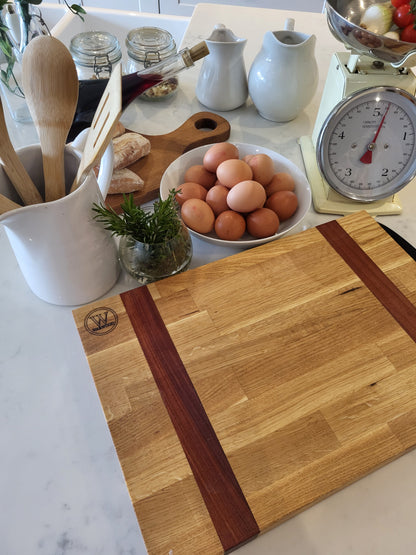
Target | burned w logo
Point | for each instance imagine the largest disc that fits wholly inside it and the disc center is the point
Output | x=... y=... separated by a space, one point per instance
x=100 y=321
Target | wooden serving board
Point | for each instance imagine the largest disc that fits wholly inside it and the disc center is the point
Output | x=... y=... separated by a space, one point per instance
x=241 y=392
x=200 y=129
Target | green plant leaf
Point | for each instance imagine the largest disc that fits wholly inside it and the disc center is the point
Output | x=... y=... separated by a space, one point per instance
x=157 y=226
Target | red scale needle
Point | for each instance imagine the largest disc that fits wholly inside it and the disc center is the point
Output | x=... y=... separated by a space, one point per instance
x=367 y=157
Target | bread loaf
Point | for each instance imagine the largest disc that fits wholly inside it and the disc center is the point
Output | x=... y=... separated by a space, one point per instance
x=128 y=148
x=119 y=130
x=125 y=181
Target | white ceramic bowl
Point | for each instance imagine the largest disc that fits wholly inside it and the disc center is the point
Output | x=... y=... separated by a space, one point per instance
x=173 y=177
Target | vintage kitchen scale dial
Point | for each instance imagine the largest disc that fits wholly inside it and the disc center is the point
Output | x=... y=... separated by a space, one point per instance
x=363 y=146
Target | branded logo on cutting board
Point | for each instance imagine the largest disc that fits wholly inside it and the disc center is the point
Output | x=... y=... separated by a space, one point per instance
x=101 y=321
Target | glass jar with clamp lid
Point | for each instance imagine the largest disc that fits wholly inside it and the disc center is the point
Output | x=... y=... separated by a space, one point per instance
x=147 y=46
x=95 y=53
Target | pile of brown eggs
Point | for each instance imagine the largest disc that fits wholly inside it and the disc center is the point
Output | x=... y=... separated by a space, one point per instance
x=232 y=196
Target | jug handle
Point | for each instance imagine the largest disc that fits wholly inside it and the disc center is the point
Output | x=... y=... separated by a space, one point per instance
x=106 y=166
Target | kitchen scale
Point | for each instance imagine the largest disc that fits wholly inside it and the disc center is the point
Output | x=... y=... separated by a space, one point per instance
x=363 y=145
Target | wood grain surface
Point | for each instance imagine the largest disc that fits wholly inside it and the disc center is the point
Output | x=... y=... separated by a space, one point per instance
x=200 y=129
x=307 y=379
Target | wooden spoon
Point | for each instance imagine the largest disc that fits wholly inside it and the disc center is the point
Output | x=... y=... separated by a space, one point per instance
x=14 y=168
x=50 y=84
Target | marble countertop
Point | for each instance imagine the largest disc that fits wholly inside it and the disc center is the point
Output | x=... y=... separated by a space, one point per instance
x=61 y=484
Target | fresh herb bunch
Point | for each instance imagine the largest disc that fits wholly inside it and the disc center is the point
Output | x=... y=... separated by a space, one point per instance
x=6 y=46
x=157 y=226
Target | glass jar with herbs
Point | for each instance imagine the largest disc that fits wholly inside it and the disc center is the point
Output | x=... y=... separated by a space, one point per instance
x=154 y=243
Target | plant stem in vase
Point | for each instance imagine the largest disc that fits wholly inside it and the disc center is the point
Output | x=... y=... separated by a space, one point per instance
x=154 y=244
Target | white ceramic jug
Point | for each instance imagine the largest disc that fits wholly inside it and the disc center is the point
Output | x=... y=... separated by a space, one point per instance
x=284 y=75
x=66 y=257
x=222 y=82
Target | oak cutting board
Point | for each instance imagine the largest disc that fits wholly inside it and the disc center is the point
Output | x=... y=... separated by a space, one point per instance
x=241 y=392
x=200 y=129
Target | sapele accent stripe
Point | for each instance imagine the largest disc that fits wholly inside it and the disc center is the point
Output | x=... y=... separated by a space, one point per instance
x=222 y=494
x=371 y=275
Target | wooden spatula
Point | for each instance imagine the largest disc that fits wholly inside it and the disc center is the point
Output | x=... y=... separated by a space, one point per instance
x=14 y=168
x=6 y=204
x=102 y=127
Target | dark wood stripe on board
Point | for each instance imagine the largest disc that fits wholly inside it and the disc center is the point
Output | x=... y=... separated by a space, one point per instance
x=371 y=275
x=222 y=494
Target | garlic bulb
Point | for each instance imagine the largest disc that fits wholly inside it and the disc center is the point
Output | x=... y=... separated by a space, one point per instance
x=378 y=18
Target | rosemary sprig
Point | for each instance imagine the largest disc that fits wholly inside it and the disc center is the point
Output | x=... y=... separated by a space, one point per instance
x=157 y=226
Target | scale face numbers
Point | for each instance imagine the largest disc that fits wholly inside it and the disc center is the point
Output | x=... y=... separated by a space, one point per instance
x=366 y=148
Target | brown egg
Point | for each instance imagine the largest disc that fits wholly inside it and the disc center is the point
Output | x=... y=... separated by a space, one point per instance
x=217 y=154
x=281 y=181
x=263 y=168
x=262 y=222
x=217 y=198
x=230 y=225
x=190 y=190
x=198 y=215
x=284 y=203
x=218 y=182
x=199 y=174
x=248 y=157
x=246 y=196
x=231 y=172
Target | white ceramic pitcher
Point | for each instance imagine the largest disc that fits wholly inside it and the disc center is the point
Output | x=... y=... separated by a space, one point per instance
x=284 y=75
x=66 y=257
x=222 y=82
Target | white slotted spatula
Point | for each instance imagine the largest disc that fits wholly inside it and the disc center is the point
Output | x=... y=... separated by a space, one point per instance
x=102 y=127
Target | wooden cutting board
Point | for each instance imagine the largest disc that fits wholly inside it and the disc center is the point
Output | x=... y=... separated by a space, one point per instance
x=200 y=129
x=241 y=392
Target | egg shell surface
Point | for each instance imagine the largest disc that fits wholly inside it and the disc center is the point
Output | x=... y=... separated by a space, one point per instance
x=284 y=203
x=198 y=174
x=217 y=198
x=230 y=225
x=218 y=153
x=190 y=190
x=281 y=181
x=198 y=215
x=246 y=196
x=262 y=167
x=262 y=222
x=231 y=172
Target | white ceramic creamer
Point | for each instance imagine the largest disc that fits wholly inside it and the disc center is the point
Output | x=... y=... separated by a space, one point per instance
x=66 y=257
x=222 y=82
x=284 y=75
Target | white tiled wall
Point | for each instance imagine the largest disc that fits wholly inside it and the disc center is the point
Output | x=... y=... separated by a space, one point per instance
x=185 y=7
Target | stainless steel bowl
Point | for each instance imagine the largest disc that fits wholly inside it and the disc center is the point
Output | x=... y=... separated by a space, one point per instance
x=344 y=18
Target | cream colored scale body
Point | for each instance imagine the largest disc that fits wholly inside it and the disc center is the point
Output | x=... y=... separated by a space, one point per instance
x=347 y=74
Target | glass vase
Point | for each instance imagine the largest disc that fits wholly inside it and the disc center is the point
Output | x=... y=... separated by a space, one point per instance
x=20 y=24
x=148 y=262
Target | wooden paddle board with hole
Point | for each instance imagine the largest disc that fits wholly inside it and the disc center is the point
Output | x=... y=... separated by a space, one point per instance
x=200 y=129
x=243 y=391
